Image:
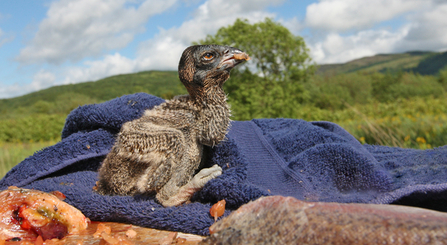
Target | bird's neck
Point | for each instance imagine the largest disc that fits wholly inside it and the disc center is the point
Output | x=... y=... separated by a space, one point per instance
x=210 y=93
x=215 y=115
x=213 y=95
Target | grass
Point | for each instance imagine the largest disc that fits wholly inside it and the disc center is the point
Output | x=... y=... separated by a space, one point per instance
x=419 y=123
x=404 y=109
x=405 y=62
x=13 y=153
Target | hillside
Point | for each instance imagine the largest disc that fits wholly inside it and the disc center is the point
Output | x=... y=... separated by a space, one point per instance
x=62 y=99
x=160 y=83
x=399 y=109
x=424 y=63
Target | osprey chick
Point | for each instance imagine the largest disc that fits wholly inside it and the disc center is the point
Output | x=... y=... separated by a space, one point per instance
x=160 y=152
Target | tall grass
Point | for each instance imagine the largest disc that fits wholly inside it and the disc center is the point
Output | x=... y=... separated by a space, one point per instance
x=400 y=109
x=411 y=123
x=13 y=153
x=32 y=128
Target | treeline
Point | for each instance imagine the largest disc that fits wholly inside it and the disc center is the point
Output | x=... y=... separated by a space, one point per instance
x=33 y=128
x=403 y=109
x=330 y=93
x=338 y=92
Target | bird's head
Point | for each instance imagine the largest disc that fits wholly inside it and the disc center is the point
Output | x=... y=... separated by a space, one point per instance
x=204 y=67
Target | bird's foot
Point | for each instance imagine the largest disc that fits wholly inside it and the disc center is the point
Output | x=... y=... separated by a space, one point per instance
x=185 y=192
x=205 y=175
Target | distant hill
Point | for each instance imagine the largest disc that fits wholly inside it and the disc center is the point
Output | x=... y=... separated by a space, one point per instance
x=424 y=63
x=164 y=84
x=62 y=99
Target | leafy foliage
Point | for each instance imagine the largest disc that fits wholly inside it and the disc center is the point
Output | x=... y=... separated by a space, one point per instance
x=271 y=84
x=334 y=92
x=277 y=54
x=388 y=87
x=442 y=78
x=417 y=121
x=378 y=99
x=432 y=64
x=38 y=127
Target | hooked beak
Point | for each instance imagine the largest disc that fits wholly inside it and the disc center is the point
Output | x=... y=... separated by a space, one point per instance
x=232 y=57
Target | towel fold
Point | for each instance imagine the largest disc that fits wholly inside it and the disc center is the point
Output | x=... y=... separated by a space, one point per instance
x=315 y=161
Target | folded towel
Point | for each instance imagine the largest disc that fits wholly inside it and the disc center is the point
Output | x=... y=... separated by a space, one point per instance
x=315 y=161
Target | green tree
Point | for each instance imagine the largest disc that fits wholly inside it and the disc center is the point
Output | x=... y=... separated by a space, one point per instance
x=442 y=77
x=271 y=83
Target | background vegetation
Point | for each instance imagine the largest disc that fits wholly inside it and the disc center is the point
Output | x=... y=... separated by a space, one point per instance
x=393 y=99
x=271 y=84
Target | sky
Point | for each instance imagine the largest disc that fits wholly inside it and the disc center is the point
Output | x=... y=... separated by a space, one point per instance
x=44 y=43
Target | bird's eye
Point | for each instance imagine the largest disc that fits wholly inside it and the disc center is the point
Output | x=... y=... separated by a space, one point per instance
x=208 y=56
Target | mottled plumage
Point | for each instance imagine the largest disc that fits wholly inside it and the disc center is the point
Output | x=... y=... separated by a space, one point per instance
x=161 y=151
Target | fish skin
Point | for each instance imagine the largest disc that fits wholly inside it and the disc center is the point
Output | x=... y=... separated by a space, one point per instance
x=286 y=220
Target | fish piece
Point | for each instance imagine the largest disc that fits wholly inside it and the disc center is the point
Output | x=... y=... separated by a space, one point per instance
x=218 y=209
x=131 y=234
x=241 y=56
x=27 y=214
x=102 y=228
x=286 y=220
x=169 y=239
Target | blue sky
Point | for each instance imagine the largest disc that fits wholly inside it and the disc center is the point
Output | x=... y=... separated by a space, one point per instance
x=53 y=42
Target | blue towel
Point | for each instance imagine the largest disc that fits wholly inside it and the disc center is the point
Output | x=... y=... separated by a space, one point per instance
x=314 y=161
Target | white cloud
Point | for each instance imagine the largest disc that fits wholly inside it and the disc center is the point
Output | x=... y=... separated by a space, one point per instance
x=294 y=25
x=75 y=29
x=41 y=80
x=73 y=34
x=342 y=15
x=339 y=31
x=5 y=38
x=428 y=30
x=163 y=51
x=109 y=66
x=424 y=29
x=13 y=91
x=2 y=38
x=337 y=49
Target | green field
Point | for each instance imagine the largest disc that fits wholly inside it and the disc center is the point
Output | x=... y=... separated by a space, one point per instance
x=411 y=123
x=398 y=107
x=62 y=99
x=13 y=153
